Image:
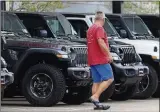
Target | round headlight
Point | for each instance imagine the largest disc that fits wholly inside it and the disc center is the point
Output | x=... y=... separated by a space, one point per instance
x=115 y=57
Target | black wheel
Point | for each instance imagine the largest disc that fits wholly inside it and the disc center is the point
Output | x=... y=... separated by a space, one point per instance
x=107 y=93
x=148 y=85
x=157 y=93
x=123 y=93
x=2 y=94
x=77 y=95
x=10 y=91
x=43 y=85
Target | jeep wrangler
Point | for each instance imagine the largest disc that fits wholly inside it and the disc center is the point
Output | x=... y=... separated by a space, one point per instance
x=6 y=76
x=134 y=31
x=46 y=70
x=127 y=67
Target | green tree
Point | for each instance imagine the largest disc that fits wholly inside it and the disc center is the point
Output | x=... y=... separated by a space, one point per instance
x=141 y=7
x=39 y=6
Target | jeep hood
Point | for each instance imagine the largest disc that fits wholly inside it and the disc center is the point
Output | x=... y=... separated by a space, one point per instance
x=80 y=40
x=40 y=43
x=143 y=46
x=111 y=41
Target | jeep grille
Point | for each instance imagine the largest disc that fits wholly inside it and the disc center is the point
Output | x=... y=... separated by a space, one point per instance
x=81 y=57
x=128 y=54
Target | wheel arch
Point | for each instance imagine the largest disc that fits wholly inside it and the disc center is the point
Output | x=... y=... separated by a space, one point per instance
x=33 y=58
x=148 y=59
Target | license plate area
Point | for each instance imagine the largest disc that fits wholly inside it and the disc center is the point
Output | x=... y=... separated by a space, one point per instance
x=2 y=80
x=141 y=72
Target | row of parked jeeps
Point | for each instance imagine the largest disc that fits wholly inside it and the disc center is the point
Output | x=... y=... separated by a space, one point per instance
x=47 y=54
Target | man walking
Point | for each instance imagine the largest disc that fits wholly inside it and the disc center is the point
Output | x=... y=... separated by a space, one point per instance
x=99 y=58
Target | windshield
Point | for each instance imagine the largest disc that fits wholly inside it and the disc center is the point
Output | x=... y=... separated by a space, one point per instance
x=55 y=26
x=11 y=23
x=136 y=26
x=109 y=29
x=66 y=24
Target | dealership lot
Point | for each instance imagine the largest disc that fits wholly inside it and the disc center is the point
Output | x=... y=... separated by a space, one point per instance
x=20 y=105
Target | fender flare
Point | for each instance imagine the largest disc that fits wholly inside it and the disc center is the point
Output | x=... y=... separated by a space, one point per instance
x=29 y=52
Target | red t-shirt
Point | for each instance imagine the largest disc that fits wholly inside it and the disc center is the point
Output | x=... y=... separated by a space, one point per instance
x=95 y=54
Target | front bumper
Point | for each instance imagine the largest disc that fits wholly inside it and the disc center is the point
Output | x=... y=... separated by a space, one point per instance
x=78 y=76
x=79 y=73
x=7 y=78
x=129 y=74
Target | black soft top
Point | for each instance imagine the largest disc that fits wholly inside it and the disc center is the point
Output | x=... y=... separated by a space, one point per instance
x=149 y=15
x=121 y=15
x=71 y=14
x=8 y=12
x=38 y=13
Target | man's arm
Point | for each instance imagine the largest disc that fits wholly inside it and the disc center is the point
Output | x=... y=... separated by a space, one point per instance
x=102 y=44
x=104 y=47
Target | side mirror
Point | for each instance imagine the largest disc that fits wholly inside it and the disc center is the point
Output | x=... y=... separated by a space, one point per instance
x=123 y=33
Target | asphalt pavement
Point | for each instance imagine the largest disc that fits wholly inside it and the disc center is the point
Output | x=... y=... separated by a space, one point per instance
x=21 y=105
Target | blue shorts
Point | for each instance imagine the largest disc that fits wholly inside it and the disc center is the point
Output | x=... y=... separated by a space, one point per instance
x=101 y=72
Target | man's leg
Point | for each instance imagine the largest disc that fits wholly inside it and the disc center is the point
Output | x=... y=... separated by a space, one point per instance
x=96 y=79
x=95 y=88
x=105 y=71
x=102 y=87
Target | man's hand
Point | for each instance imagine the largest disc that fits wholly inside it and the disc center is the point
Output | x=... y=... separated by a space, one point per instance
x=110 y=59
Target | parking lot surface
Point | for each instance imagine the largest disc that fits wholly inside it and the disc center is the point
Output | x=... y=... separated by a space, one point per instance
x=21 y=105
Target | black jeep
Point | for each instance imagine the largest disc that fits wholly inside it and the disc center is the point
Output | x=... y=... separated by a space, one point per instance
x=47 y=70
x=6 y=76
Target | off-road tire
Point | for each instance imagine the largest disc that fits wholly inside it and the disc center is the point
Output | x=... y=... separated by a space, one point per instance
x=11 y=91
x=107 y=93
x=2 y=94
x=152 y=87
x=77 y=95
x=58 y=85
x=157 y=93
x=124 y=95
